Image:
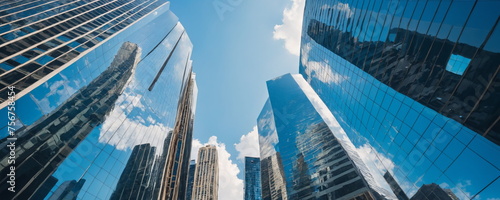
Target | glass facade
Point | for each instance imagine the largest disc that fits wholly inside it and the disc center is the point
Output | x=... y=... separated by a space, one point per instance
x=190 y=180
x=252 y=179
x=316 y=158
x=271 y=167
x=104 y=104
x=415 y=85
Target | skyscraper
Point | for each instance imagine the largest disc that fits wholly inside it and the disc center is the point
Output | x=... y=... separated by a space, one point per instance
x=102 y=88
x=190 y=180
x=272 y=178
x=415 y=86
x=318 y=160
x=400 y=194
x=206 y=175
x=134 y=182
x=434 y=191
x=68 y=190
x=178 y=154
x=252 y=179
x=271 y=166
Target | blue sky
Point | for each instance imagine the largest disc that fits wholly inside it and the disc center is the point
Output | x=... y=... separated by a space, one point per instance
x=234 y=55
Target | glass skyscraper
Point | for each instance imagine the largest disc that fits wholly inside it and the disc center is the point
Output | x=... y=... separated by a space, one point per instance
x=190 y=180
x=317 y=159
x=104 y=100
x=252 y=179
x=415 y=85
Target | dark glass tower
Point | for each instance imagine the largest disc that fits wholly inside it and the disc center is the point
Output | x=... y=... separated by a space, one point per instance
x=400 y=194
x=252 y=179
x=190 y=180
x=134 y=180
x=271 y=166
x=105 y=99
x=316 y=158
x=434 y=191
x=415 y=85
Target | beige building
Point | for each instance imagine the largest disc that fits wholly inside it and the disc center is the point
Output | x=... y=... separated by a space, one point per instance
x=206 y=175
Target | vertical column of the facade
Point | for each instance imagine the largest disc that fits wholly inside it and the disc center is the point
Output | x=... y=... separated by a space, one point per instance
x=179 y=147
x=252 y=185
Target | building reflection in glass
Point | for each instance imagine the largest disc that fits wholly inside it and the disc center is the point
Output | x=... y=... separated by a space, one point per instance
x=400 y=194
x=318 y=161
x=434 y=191
x=131 y=85
x=68 y=190
x=134 y=182
x=414 y=84
x=190 y=180
x=45 y=144
x=272 y=174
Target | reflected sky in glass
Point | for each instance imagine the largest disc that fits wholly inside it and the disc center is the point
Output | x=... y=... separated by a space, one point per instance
x=136 y=116
x=394 y=132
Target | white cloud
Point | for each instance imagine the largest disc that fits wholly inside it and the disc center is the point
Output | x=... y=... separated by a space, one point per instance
x=60 y=90
x=230 y=186
x=344 y=9
x=460 y=189
x=320 y=70
x=377 y=164
x=122 y=124
x=249 y=145
x=121 y=127
x=291 y=28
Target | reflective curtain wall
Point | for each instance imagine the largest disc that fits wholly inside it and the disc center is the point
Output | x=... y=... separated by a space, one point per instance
x=415 y=86
x=305 y=154
x=103 y=90
x=252 y=188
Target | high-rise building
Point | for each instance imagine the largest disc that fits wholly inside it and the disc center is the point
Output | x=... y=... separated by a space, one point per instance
x=316 y=158
x=272 y=178
x=434 y=191
x=190 y=180
x=252 y=179
x=400 y=194
x=68 y=190
x=104 y=95
x=206 y=175
x=135 y=178
x=176 y=167
x=271 y=168
x=415 y=86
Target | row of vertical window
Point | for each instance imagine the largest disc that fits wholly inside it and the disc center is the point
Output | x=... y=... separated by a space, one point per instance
x=64 y=54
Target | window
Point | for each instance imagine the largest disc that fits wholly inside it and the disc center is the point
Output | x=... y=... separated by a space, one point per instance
x=457 y=64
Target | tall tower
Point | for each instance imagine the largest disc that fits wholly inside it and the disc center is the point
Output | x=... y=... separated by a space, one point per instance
x=179 y=145
x=414 y=84
x=252 y=179
x=190 y=180
x=100 y=92
x=316 y=158
x=271 y=167
x=206 y=175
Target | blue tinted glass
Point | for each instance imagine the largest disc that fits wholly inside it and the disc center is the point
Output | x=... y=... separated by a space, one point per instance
x=457 y=64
